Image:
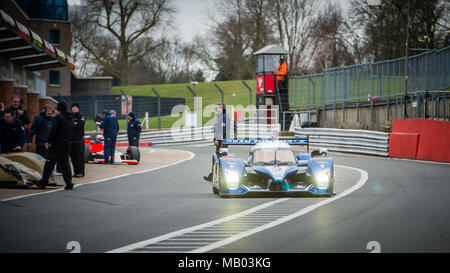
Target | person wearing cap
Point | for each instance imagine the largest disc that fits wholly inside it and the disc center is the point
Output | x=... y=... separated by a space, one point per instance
x=58 y=144
x=133 y=130
x=109 y=127
x=77 y=141
x=42 y=125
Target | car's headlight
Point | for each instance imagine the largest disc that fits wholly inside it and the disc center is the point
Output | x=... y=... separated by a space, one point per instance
x=322 y=179
x=232 y=179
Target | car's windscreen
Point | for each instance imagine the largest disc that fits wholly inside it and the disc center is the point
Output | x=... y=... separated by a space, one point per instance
x=272 y=157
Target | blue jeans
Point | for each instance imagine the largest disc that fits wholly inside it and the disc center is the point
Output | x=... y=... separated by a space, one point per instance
x=109 y=149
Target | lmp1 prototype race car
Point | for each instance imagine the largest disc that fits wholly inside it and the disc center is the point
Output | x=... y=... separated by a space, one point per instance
x=93 y=152
x=21 y=169
x=273 y=167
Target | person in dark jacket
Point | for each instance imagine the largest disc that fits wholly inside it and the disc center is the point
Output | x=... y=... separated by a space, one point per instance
x=114 y=114
x=18 y=110
x=42 y=125
x=77 y=141
x=58 y=143
x=133 y=130
x=109 y=126
x=2 y=109
x=12 y=133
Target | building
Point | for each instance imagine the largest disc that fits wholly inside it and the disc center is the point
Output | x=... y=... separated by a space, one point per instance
x=35 y=63
x=49 y=19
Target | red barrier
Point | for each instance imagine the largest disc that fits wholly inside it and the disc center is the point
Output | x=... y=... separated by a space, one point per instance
x=433 y=139
x=403 y=145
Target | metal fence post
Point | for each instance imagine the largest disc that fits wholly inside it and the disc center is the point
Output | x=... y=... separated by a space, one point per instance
x=220 y=90
x=159 y=108
x=250 y=90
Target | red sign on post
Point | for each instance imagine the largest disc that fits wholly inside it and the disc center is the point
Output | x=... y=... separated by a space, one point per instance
x=127 y=102
x=265 y=84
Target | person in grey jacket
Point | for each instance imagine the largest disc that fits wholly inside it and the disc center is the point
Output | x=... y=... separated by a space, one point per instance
x=222 y=130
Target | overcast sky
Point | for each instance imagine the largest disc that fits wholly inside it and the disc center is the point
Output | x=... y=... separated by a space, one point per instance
x=192 y=15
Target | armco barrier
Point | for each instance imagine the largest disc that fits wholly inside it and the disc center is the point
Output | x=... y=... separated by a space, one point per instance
x=343 y=140
x=175 y=136
x=433 y=140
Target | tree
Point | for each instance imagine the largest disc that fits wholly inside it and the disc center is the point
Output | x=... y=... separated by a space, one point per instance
x=243 y=28
x=330 y=40
x=384 y=25
x=293 y=20
x=117 y=34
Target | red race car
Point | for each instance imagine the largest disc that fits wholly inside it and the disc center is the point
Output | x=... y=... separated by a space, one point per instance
x=93 y=152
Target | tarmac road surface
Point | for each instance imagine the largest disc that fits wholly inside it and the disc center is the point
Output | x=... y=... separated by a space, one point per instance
x=402 y=206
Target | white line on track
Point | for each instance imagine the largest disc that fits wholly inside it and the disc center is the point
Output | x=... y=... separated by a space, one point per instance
x=221 y=242
x=191 y=156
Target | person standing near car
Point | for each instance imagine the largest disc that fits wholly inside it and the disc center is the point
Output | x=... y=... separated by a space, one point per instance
x=12 y=133
x=109 y=126
x=58 y=144
x=42 y=125
x=77 y=141
x=133 y=130
x=222 y=131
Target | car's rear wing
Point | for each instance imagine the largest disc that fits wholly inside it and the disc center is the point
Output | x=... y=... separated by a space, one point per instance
x=290 y=141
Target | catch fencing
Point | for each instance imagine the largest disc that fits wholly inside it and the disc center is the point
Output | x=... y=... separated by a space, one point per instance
x=371 y=81
x=90 y=106
x=379 y=83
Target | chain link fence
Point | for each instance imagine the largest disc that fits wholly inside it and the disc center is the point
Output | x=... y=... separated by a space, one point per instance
x=90 y=106
x=372 y=81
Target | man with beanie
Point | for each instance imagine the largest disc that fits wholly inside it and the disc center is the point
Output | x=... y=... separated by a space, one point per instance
x=58 y=144
x=109 y=126
x=133 y=130
x=77 y=141
x=42 y=125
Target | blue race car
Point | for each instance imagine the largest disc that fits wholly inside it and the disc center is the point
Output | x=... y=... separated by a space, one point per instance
x=273 y=167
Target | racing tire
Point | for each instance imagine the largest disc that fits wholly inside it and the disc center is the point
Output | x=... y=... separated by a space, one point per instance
x=214 y=189
x=87 y=154
x=134 y=153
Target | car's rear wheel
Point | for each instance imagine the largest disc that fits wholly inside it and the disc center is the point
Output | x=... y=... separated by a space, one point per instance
x=87 y=154
x=134 y=153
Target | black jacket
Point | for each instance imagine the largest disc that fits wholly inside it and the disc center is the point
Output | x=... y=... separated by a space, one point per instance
x=23 y=118
x=41 y=127
x=61 y=132
x=78 y=127
x=11 y=135
x=133 y=127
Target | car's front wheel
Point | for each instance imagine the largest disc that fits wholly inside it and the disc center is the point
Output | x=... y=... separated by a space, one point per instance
x=214 y=181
